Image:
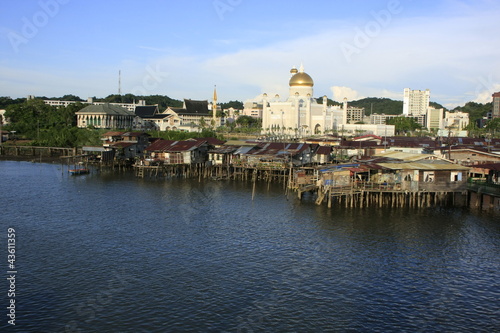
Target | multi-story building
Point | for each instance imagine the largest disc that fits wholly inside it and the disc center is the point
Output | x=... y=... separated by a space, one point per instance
x=415 y=102
x=355 y=115
x=253 y=109
x=104 y=116
x=380 y=119
x=193 y=116
x=496 y=105
x=434 y=118
x=456 y=120
x=90 y=101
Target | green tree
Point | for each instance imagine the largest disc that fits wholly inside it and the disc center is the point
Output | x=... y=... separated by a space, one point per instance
x=202 y=123
x=6 y=101
x=68 y=98
x=475 y=110
x=493 y=125
x=403 y=124
x=379 y=105
x=232 y=104
x=328 y=103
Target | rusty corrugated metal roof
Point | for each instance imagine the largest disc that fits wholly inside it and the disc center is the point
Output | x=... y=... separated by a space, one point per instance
x=173 y=146
x=423 y=166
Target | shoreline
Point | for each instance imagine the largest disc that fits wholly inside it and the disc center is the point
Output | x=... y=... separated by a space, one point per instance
x=356 y=199
x=34 y=159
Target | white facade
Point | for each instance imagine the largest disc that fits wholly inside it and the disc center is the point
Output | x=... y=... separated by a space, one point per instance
x=90 y=101
x=416 y=102
x=104 y=116
x=456 y=120
x=301 y=115
x=365 y=129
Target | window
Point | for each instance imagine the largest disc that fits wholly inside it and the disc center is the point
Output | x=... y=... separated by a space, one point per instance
x=456 y=176
x=429 y=176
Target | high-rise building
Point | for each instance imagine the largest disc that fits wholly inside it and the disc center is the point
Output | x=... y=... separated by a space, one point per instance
x=496 y=105
x=416 y=102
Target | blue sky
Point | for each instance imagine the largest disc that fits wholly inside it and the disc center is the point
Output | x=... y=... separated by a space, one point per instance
x=182 y=49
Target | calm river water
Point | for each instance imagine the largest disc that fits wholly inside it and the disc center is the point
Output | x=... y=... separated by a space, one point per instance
x=112 y=253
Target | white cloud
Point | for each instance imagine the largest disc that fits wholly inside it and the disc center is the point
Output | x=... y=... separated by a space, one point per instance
x=339 y=93
x=484 y=96
x=448 y=55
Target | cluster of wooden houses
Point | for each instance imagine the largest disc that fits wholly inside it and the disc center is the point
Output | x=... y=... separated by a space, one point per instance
x=330 y=166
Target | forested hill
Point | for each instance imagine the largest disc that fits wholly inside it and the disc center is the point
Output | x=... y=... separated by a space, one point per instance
x=162 y=101
x=384 y=105
x=475 y=110
x=379 y=105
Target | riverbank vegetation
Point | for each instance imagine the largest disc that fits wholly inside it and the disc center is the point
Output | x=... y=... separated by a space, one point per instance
x=38 y=124
x=45 y=125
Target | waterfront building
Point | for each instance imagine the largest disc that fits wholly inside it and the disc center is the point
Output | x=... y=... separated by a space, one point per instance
x=125 y=145
x=415 y=102
x=105 y=116
x=419 y=172
x=323 y=155
x=178 y=152
x=470 y=156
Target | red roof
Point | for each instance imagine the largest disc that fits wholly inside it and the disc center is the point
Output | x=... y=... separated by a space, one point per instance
x=324 y=150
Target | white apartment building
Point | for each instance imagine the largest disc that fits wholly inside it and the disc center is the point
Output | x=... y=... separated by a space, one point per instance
x=415 y=102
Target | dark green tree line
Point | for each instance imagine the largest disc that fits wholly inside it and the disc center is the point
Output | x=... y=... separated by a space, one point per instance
x=403 y=125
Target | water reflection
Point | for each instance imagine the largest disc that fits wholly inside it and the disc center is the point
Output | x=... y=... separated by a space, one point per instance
x=176 y=255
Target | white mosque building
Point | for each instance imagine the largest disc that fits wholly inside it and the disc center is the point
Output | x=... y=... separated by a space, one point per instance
x=301 y=115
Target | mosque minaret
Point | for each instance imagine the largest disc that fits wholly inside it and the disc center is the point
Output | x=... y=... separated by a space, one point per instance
x=300 y=113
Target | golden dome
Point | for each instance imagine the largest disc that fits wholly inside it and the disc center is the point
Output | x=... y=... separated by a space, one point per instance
x=301 y=79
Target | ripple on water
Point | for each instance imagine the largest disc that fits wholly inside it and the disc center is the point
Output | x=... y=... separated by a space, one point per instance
x=118 y=254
